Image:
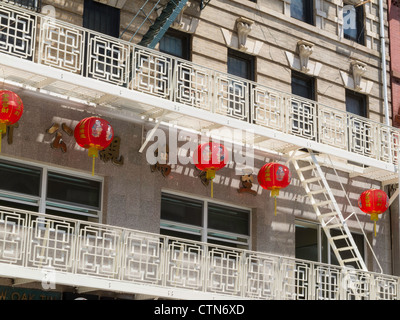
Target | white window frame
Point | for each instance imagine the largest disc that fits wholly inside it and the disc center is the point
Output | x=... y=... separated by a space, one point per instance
x=41 y=201
x=204 y=230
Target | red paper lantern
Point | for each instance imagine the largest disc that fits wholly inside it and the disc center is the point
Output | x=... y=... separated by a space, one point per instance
x=11 y=110
x=373 y=202
x=274 y=176
x=210 y=157
x=95 y=134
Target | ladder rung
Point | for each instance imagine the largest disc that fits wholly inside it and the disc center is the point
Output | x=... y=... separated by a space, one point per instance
x=311 y=180
x=345 y=248
x=343 y=236
x=301 y=156
x=322 y=203
x=351 y=260
x=307 y=168
x=329 y=214
x=316 y=191
x=331 y=226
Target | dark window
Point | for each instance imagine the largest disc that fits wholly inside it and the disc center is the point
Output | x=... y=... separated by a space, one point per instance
x=303 y=112
x=63 y=194
x=356 y=103
x=21 y=179
x=183 y=210
x=204 y=221
x=240 y=64
x=302 y=10
x=353 y=23
x=73 y=190
x=101 y=18
x=176 y=44
x=303 y=85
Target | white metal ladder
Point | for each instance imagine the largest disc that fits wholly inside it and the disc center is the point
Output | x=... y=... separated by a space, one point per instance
x=328 y=212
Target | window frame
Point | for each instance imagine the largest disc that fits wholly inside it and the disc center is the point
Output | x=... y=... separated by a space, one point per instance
x=360 y=24
x=308 y=6
x=203 y=230
x=41 y=201
x=186 y=39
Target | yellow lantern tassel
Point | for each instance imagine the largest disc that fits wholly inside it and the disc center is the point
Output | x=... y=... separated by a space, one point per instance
x=275 y=193
x=210 y=175
x=374 y=217
x=3 y=129
x=94 y=153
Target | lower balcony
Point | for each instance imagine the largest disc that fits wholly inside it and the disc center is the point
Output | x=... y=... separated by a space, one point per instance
x=90 y=257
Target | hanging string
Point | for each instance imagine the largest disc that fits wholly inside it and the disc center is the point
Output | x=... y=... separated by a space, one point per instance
x=212 y=188
x=94 y=157
x=275 y=207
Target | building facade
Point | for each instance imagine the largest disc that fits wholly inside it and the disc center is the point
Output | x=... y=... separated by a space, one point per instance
x=297 y=82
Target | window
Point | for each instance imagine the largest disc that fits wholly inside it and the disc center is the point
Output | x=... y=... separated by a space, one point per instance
x=243 y=66
x=361 y=133
x=356 y=103
x=303 y=111
x=353 y=23
x=312 y=243
x=101 y=18
x=240 y=64
x=204 y=220
x=43 y=189
x=302 y=10
x=176 y=43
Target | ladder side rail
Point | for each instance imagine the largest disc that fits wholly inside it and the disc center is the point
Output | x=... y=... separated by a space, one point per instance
x=343 y=221
x=356 y=216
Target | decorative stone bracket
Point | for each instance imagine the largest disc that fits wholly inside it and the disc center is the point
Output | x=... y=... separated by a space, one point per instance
x=301 y=61
x=354 y=79
x=358 y=69
x=243 y=27
x=305 y=49
x=239 y=40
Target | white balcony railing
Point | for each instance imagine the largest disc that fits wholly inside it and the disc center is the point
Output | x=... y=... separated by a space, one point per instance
x=54 y=43
x=73 y=247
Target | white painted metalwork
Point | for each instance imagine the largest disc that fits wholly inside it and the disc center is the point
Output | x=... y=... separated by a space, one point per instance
x=327 y=210
x=103 y=257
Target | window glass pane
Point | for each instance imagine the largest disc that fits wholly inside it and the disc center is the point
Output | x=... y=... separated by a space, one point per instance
x=356 y=103
x=19 y=178
x=101 y=18
x=73 y=190
x=228 y=219
x=353 y=23
x=171 y=45
x=306 y=242
x=178 y=234
x=302 y=86
x=302 y=10
x=182 y=210
x=176 y=43
x=237 y=67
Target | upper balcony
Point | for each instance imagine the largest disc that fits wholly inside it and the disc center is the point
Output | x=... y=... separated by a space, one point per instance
x=56 y=58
